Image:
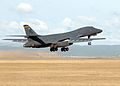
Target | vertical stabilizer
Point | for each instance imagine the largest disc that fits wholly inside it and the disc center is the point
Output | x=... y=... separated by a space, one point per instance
x=29 y=31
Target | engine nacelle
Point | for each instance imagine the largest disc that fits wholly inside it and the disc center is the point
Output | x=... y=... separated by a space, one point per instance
x=63 y=44
x=30 y=45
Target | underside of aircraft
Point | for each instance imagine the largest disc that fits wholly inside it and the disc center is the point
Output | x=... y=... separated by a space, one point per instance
x=55 y=41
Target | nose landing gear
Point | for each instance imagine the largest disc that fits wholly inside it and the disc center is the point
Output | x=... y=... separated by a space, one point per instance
x=89 y=43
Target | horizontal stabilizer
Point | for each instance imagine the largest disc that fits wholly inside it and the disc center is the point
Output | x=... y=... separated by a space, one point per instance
x=16 y=35
x=17 y=40
x=22 y=36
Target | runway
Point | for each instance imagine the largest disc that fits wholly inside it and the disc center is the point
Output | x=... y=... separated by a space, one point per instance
x=80 y=72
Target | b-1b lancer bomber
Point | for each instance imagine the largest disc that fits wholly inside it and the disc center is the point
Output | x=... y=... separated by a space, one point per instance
x=55 y=41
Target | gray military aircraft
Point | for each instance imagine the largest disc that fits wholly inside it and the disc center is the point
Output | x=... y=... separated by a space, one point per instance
x=55 y=41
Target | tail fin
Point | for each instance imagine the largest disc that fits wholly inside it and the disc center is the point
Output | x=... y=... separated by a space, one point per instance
x=29 y=31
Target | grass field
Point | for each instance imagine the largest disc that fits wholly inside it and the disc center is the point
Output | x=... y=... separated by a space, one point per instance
x=82 y=72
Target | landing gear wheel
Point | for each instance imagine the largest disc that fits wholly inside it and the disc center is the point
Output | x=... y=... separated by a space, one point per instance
x=67 y=49
x=56 y=49
x=64 y=49
x=53 y=49
x=89 y=43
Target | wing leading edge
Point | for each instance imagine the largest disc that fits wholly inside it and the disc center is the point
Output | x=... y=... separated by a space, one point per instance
x=85 y=40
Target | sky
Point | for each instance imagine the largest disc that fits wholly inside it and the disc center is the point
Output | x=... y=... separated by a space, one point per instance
x=57 y=16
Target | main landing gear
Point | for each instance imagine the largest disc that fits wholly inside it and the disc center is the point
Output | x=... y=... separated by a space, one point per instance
x=63 y=49
x=53 y=49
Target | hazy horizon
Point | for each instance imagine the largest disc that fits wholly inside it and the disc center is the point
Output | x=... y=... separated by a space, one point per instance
x=76 y=50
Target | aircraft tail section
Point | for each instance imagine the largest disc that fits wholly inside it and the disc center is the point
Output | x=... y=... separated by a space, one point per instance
x=32 y=36
x=29 y=31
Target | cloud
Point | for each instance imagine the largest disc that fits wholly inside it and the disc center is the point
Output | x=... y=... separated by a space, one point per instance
x=67 y=22
x=14 y=27
x=87 y=19
x=9 y=27
x=114 y=22
x=24 y=7
x=112 y=30
x=39 y=26
x=43 y=25
x=79 y=22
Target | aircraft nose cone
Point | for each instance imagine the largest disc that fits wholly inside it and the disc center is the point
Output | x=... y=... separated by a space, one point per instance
x=100 y=31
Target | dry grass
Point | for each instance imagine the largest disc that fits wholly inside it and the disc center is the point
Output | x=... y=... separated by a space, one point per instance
x=60 y=73
x=26 y=55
